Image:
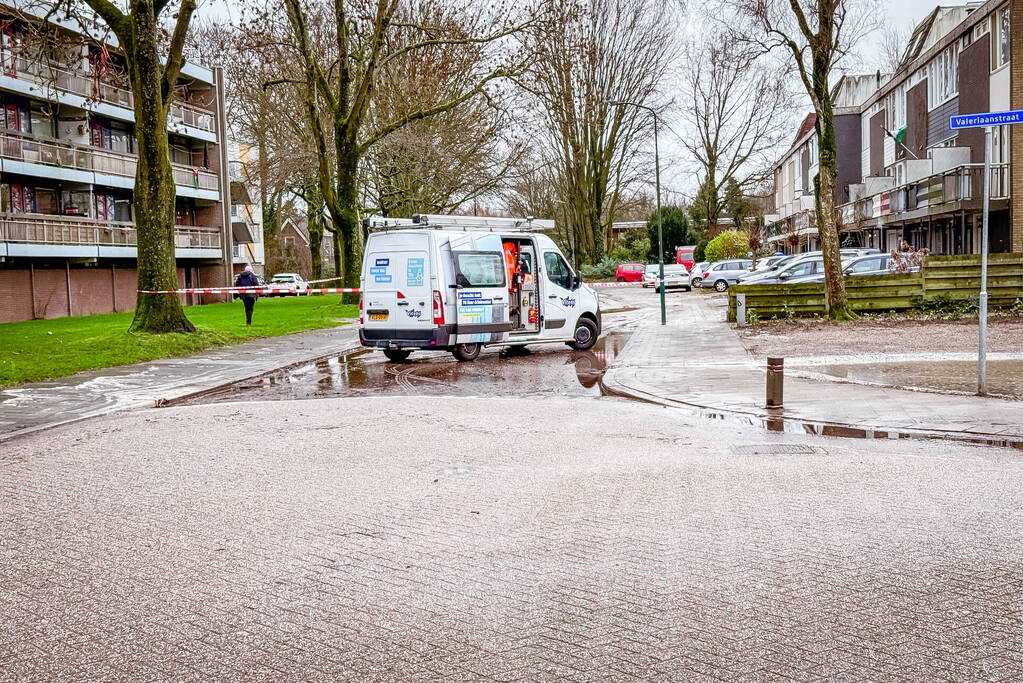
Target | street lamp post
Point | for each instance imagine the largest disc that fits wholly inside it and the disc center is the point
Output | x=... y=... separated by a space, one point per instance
x=657 y=183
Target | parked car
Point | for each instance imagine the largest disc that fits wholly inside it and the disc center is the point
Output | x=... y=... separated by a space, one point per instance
x=629 y=272
x=797 y=271
x=675 y=275
x=871 y=264
x=292 y=281
x=766 y=263
x=722 y=274
x=696 y=274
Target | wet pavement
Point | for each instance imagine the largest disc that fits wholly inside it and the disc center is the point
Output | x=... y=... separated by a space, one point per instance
x=698 y=364
x=41 y=405
x=1005 y=377
x=544 y=370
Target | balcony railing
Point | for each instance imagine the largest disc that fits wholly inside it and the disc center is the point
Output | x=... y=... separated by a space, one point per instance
x=49 y=76
x=83 y=158
x=34 y=228
x=960 y=184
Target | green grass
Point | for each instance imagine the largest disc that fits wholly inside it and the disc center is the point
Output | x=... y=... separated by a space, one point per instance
x=44 y=349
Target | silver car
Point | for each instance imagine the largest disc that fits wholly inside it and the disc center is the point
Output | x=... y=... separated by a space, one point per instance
x=675 y=275
x=800 y=270
x=696 y=274
x=725 y=273
x=871 y=264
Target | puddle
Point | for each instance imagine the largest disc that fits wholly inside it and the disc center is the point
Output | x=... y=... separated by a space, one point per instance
x=542 y=370
x=1005 y=377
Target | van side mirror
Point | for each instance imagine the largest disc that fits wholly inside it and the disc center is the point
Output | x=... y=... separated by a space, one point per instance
x=575 y=282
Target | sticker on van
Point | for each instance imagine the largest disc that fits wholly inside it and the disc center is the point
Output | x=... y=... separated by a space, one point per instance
x=414 y=271
x=382 y=262
x=382 y=278
x=378 y=271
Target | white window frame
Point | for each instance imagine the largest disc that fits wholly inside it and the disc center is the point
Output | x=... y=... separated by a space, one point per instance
x=1002 y=39
x=943 y=76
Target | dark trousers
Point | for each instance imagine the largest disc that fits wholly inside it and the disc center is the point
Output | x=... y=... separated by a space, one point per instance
x=250 y=303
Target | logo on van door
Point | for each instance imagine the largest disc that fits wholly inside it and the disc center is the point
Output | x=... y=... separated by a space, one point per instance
x=414 y=313
x=568 y=302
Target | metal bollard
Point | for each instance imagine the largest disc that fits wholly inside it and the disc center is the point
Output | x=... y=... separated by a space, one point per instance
x=775 y=382
x=740 y=310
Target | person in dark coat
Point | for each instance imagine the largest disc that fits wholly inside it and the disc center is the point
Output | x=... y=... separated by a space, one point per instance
x=247 y=278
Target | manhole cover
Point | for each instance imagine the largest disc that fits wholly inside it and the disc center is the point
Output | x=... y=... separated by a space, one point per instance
x=775 y=449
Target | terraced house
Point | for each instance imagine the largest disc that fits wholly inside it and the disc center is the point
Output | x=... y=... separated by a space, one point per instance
x=904 y=174
x=67 y=172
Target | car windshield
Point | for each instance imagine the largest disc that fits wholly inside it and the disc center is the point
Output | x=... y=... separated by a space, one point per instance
x=284 y=278
x=652 y=270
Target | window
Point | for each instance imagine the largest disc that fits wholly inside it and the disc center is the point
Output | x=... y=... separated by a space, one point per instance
x=479 y=269
x=1001 y=45
x=558 y=271
x=46 y=201
x=289 y=243
x=943 y=76
x=41 y=123
x=868 y=265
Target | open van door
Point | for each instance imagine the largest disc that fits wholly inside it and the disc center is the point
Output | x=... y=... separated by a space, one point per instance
x=481 y=296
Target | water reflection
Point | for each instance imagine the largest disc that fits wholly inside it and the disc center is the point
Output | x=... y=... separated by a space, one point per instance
x=539 y=370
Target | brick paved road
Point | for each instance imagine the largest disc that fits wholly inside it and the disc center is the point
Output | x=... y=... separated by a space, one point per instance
x=574 y=540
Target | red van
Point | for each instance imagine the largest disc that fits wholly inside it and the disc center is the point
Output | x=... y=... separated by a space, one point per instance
x=684 y=255
x=630 y=272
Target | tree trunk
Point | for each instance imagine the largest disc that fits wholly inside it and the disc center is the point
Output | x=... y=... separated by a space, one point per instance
x=154 y=189
x=314 y=221
x=824 y=199
x=336 y=237
x=347 y=223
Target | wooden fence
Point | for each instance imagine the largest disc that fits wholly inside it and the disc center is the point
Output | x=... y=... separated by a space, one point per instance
x=952 y=277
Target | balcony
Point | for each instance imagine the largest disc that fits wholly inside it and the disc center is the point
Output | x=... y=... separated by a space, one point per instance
x=94 y=160
x=50 y=77
x=86 y=237
x=934 y=194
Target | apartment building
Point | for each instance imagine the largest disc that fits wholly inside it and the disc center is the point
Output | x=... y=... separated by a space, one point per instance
x=246 y=209
x=922 y=180
x=67 y=170
x=914 y=178
x=792 y=225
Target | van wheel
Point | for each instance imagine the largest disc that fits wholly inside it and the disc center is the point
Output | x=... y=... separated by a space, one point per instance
x=585 y=335
x=397 y=355
x=466 y=352
x=720 y=286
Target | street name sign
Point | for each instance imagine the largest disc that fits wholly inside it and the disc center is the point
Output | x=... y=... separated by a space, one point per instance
x=992 y=118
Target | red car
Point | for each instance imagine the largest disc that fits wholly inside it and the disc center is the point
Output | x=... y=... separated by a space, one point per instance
x=630 y=272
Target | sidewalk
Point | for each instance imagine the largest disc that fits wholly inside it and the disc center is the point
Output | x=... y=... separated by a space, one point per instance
x=30 y=407
x=696 y=361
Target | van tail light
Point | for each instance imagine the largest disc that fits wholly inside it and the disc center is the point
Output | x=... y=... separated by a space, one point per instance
x=362 y=318
x=438 y=308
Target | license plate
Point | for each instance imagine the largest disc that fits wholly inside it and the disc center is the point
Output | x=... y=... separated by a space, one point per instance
x=378 y=316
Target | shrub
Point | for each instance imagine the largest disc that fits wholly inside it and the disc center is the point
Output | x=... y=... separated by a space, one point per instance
x=945 y=305
x=604 y=270
x=729 y=244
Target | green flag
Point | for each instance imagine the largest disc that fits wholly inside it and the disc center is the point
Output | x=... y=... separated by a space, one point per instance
x=900 y=135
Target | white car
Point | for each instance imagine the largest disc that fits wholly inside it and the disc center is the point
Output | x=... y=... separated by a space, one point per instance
x=675 y=275
x=292 y=281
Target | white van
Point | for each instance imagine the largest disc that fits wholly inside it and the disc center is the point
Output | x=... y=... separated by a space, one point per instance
x=459 y=290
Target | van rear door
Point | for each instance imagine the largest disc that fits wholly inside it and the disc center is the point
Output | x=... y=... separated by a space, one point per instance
x=397 y=292
x=481 y=290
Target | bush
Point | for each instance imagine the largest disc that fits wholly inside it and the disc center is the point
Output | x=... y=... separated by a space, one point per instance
x=729 y=244
x=700 y=252
x=944 y=305
x=633 y=247
x=604 y=270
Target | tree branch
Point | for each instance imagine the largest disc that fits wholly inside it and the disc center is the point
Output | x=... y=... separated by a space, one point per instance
x=175 y=52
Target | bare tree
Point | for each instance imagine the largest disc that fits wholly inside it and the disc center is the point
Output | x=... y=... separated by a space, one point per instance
x=592 y=53
x=339 y=85
x=153 y=65
x=816 y=35
x=733 y=108
x=892 y=42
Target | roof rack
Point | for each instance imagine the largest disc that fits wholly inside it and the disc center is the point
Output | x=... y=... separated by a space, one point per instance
x=446 y=222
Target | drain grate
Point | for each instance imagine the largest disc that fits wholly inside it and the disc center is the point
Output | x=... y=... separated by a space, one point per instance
x=775 y=449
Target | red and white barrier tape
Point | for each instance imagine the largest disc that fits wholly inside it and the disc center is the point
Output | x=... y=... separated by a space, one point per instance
x=614 y=284
x=326 y=279
x=249 y=290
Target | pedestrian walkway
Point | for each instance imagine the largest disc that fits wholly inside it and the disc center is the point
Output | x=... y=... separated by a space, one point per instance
x=39 y=405
x=697 y=361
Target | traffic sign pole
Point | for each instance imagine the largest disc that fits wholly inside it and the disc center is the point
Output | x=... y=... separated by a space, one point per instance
x=982 y=342
x=986 y=121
